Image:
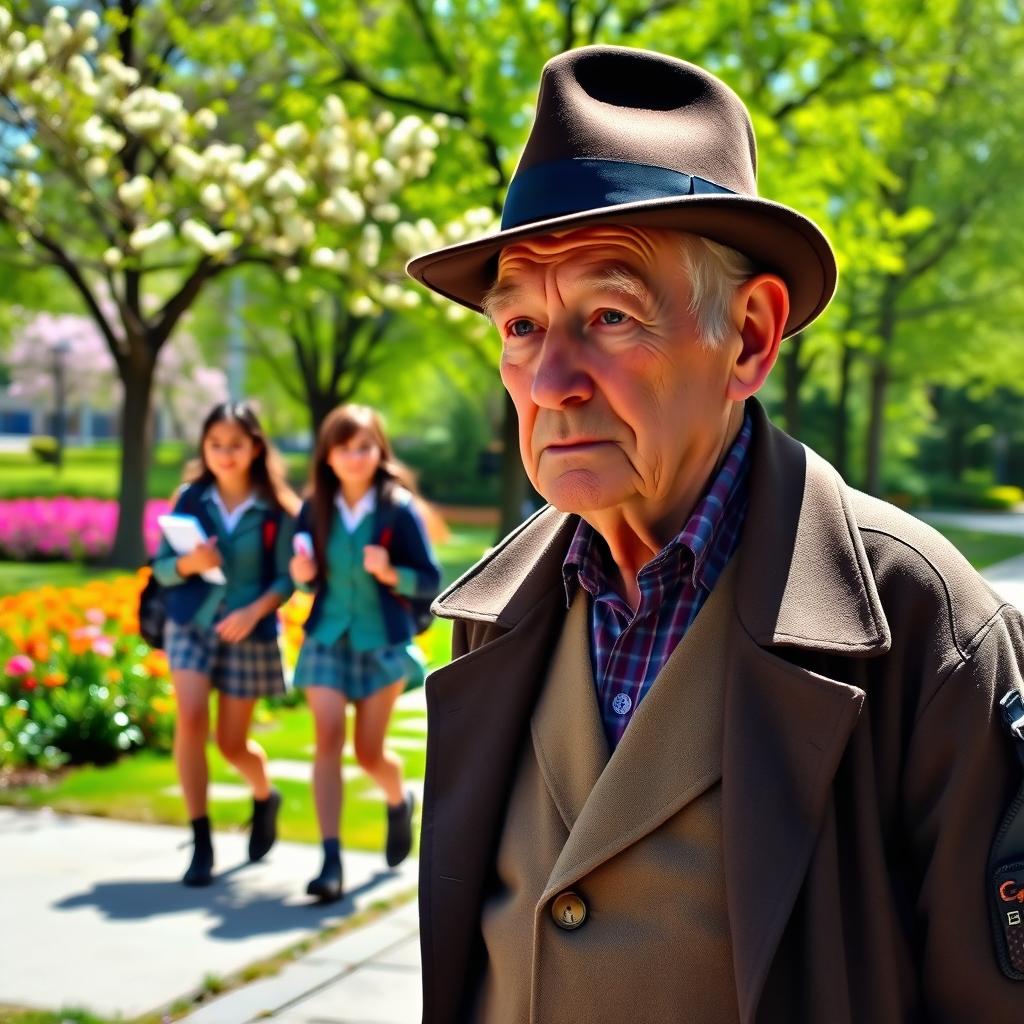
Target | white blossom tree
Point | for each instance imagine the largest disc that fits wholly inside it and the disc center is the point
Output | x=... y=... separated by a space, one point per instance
x=107 y=175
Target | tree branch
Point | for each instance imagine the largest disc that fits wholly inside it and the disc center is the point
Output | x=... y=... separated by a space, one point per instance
x=419 y=15
x=62 y=260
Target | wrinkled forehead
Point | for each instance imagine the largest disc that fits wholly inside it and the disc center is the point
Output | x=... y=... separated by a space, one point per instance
x=608 y=258
x=606 y=243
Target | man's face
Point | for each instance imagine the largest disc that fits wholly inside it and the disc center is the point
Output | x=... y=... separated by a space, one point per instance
x=620 y=403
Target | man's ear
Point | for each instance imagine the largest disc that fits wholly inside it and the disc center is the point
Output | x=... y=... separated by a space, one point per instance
x=759 y=310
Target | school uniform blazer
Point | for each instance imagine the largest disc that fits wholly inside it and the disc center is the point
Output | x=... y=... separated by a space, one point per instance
x=864 y=769
x=419 y=575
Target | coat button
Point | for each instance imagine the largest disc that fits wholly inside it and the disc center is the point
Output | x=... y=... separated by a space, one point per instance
x=569 y=911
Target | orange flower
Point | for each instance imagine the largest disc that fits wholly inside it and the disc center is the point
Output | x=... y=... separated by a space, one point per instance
x=54 y=679
x=37 y=648
x=79 y=644
x=114 y=675
x=155 y=663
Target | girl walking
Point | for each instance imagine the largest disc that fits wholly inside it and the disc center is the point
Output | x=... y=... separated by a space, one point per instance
x=362 y=548
x=223 y=636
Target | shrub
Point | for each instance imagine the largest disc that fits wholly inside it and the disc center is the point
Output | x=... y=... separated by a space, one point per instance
x=45 y=449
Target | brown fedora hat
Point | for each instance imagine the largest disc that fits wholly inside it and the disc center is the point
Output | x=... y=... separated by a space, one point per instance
x=627 y=136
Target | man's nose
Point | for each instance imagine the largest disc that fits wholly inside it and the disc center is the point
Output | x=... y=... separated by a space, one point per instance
x=560 y=377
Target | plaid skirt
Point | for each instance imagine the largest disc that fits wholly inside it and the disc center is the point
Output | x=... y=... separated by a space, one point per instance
x=356 y=674
x=248 y=669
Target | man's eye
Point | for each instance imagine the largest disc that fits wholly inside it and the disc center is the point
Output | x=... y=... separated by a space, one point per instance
x=520 y=328
x=611 y=317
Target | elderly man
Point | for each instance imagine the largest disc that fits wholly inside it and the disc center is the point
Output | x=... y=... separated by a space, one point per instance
x=721 y=740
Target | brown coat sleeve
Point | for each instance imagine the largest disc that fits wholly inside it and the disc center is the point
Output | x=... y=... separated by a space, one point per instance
x=961 y=775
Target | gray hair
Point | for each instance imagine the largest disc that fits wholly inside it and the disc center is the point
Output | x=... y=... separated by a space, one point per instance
x=715 y=272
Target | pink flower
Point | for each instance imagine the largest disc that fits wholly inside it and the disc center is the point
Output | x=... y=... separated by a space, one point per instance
x=95 y=616
x=103 y=646
x=19 y=665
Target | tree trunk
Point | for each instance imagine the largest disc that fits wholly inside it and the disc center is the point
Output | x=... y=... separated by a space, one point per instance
x=792 y=379
x=841 y=452
x=320 y=405
x=876 y=418
x=129 y=550
x=514 y=485
x=880 y=385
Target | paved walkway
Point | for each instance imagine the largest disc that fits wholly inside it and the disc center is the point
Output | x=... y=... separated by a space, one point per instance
x=102 y=900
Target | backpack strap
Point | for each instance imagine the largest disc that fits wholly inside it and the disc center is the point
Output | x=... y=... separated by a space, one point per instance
x=1006 y=860
x=271 y=529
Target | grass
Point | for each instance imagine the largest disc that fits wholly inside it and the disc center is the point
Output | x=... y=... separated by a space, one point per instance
x=18 y=576
x=983 y=549
x=144 y=788
x=94 y=472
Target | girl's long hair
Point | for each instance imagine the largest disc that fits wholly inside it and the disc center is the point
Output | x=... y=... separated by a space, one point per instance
x=340 y=426
x=267 y=470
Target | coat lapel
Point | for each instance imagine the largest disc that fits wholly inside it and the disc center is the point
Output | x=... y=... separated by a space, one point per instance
x=478 y=710
x=568 y=737
x=803 y=583
x=670 y=754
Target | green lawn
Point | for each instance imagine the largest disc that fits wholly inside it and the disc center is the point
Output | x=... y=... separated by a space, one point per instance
x=18 y=576
x=983 y=549
x=144 y=787
x=93 y=472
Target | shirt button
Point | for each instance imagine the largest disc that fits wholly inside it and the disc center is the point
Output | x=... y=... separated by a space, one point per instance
x=569 y=911
x=621 y=703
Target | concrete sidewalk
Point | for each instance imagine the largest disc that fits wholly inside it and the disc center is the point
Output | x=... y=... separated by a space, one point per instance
x=102 y=899
x=369 y=976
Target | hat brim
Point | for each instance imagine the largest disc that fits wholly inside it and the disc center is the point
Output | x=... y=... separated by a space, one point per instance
x=775 y=237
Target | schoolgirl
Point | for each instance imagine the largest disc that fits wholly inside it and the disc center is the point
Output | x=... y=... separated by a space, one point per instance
x=361 y=546
x=223 y=636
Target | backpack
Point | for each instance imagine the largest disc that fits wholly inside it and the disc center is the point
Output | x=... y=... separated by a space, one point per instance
x=152 y=604
x=419 y=607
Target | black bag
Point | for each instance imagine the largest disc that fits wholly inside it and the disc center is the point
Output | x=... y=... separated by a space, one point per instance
x=152 y=608
x=152 y=613
x=419 y=607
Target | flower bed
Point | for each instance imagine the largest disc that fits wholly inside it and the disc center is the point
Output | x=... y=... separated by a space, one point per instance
x=77 y=683
x=67 y=528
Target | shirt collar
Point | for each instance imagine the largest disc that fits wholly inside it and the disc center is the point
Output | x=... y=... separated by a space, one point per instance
x=583 y=565
x=364 y=507
x=252 y=501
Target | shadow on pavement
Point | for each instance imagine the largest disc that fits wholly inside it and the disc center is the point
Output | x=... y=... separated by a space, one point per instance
x=237 y=912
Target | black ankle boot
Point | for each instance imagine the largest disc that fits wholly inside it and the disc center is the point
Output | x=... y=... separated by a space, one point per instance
x=327 y=886
x=264 y=825
x=399 y=831
x=200 y=870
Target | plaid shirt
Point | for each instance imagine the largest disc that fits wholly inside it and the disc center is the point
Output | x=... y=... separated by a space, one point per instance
x=628 y=651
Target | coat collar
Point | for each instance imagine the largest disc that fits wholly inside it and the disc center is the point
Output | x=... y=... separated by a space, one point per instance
x=803 y=575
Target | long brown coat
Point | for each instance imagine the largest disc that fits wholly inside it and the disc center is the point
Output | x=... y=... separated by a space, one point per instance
x=864 y=771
